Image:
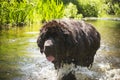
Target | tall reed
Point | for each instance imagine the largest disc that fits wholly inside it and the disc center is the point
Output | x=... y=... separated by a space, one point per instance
x=50 y=9
x=24 y=11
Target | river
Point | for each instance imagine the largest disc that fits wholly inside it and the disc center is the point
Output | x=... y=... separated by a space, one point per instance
x=20 y=58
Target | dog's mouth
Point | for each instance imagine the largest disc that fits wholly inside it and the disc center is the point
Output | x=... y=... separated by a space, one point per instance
x=49 y=47
x=50 y=58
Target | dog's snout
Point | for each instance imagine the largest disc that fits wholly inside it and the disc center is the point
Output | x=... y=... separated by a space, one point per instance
x=48 y=43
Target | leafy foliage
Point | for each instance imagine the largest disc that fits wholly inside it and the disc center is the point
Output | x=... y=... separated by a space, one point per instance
x=20 y=12
x=14 y=12
x=113 y=7
x=70 y=10
x=50 y=9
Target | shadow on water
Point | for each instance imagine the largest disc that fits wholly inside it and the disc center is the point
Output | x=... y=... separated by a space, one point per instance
x=20 y=58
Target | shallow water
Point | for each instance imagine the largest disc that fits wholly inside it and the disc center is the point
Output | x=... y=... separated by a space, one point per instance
x=20 y=58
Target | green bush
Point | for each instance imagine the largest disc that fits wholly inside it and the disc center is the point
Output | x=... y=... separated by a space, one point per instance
x=117 y=9
x=50 y=9
x=20 y=12
x=113 y=7
x=70 y=11
x=14 y=12
x=23 y=11
x=98 y=8
x=88 y=8
x=4 y=13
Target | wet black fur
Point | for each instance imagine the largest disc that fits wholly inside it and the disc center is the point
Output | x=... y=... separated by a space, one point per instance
x=75 y=41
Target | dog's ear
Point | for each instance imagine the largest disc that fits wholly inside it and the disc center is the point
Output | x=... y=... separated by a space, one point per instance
x=40 y=44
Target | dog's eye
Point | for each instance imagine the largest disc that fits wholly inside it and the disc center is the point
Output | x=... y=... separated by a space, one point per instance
x=65 y=35
x=54 y=35
x=57 y=38
x=42 y=36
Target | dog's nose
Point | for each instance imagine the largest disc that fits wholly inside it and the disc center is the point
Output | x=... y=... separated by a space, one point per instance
x=48 y=45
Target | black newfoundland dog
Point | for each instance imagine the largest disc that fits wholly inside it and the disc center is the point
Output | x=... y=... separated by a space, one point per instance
x=66 y=41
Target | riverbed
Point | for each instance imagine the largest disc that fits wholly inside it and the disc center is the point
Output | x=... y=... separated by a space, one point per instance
x=20 y=57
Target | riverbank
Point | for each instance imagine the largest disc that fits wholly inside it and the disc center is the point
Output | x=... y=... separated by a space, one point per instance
x=95 y=18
